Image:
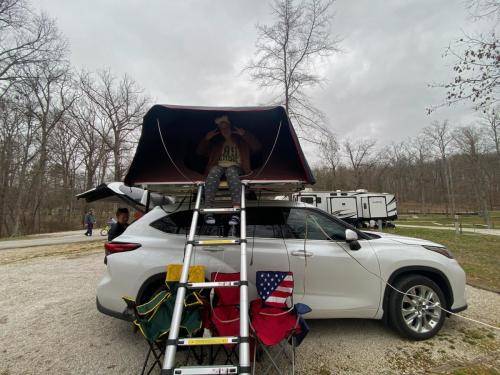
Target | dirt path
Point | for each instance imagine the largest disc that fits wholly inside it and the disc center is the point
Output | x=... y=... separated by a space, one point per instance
x=492 y=232
x=59 y=238
x=49 y=325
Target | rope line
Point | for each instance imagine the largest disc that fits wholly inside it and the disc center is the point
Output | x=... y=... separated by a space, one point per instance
x=396 y=289
x=169 y=156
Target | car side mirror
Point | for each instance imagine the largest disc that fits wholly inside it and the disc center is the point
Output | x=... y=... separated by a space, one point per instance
x=351 y=237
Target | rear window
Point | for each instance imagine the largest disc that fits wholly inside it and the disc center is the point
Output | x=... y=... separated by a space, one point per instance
x=265 y=222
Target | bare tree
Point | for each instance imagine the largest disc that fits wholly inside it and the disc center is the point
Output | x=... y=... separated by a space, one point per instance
x=360 y=157
x=26 y=39
x=479 y=9
x=120 y=105
x=94 y=149
x=419 y=150
x=490 y=120
x=469 y=140
x=287 y=52
x=477 y=62
x=440 y=138
x=329 y=150
x=47 y=95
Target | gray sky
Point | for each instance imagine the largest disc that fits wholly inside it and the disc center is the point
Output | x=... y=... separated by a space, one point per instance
x=192 y=52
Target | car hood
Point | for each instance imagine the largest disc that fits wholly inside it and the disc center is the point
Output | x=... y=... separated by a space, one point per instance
x=405 y=240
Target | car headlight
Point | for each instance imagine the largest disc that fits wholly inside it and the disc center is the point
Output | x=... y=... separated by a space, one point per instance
x=439 y=249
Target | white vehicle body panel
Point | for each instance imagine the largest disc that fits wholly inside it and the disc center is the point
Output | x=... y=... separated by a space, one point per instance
x=329 y=279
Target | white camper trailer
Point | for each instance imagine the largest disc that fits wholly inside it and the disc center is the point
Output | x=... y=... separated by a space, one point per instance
x=358 y=207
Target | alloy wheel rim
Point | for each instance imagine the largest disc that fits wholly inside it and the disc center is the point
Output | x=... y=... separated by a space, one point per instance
x=420 y=309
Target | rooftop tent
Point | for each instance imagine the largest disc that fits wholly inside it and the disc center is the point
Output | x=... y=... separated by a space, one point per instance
x=166 y=159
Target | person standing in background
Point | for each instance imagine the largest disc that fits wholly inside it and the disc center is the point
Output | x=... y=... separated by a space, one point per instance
x=89 y=222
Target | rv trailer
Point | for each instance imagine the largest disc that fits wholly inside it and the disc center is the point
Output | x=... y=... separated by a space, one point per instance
x=358 y=207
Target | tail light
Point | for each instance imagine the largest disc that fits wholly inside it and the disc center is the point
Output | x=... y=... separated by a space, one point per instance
x=120 y=247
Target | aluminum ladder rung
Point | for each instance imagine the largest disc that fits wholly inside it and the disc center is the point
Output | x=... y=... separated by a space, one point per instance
x=213 y=284
x=216 y=242
x=220 y=210
x=206 y=370
x=197 y=341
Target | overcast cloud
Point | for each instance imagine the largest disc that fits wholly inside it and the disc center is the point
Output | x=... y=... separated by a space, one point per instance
x=192 y=52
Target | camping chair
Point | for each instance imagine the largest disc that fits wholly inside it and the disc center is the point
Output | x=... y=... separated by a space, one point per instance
x=277 y=324
x=225 y=316
x=154 y=317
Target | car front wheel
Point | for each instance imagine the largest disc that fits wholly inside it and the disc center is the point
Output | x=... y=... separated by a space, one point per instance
x=417 y=314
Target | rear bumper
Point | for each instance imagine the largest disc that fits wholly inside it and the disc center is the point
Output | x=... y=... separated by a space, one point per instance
x=125 y=315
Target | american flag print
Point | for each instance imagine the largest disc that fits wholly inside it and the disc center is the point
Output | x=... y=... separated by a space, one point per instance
x=274 y=287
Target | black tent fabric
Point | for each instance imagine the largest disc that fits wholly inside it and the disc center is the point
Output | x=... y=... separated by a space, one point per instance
x=166 y=153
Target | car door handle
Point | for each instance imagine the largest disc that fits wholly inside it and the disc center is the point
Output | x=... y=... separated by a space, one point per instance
x=302 y=253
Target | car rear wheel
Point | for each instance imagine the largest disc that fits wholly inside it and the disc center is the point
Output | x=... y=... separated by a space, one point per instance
x=417 y=314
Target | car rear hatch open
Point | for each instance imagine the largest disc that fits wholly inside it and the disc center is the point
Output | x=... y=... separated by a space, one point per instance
x=118 y=192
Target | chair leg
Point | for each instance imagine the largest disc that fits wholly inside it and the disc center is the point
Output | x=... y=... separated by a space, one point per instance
x=156 y=351
x=146 y=360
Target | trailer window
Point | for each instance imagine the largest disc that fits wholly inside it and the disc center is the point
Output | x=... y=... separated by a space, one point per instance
x=309 y=200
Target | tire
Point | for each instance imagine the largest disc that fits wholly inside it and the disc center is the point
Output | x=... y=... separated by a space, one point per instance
x=423 y=319
x=150 y=292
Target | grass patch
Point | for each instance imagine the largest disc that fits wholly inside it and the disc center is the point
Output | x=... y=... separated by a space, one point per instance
x=479 y=255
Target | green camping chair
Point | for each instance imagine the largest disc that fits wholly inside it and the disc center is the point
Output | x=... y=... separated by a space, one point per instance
x=154 y=317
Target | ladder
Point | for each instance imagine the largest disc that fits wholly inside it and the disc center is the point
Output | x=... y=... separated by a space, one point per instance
x=242 y=340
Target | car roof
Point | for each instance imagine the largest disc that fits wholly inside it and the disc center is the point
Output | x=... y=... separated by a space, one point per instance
x=250 y=203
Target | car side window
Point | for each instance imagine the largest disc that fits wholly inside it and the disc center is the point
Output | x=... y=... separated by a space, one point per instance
x=295 y=226
x=264 y=222
x=179 y=223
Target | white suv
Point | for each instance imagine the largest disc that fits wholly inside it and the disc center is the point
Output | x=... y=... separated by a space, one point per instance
x=326 y=271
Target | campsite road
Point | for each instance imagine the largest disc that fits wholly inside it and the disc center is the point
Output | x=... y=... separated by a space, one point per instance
x=492 y=232
x=49 y=325
x=57 y=238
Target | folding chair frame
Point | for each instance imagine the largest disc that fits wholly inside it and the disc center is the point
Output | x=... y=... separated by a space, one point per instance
x=282 y=347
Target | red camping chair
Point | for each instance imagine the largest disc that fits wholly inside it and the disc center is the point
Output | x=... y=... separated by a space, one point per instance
x=225 y=316
x=277 y=324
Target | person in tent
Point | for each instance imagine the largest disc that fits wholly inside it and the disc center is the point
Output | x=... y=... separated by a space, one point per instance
x=118 y=227
x=228 y=150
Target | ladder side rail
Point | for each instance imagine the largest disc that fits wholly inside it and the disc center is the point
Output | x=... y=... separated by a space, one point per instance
x=244 y=346
x=171 y=349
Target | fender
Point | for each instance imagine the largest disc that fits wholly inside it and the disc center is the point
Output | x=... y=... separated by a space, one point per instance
x=156 y=278
x=436 y=275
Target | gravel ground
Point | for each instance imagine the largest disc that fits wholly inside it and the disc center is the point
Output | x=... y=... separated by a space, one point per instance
x=49 y=324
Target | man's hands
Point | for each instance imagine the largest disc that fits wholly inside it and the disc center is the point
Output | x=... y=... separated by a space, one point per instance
x=212 y=134
x=239 y=131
